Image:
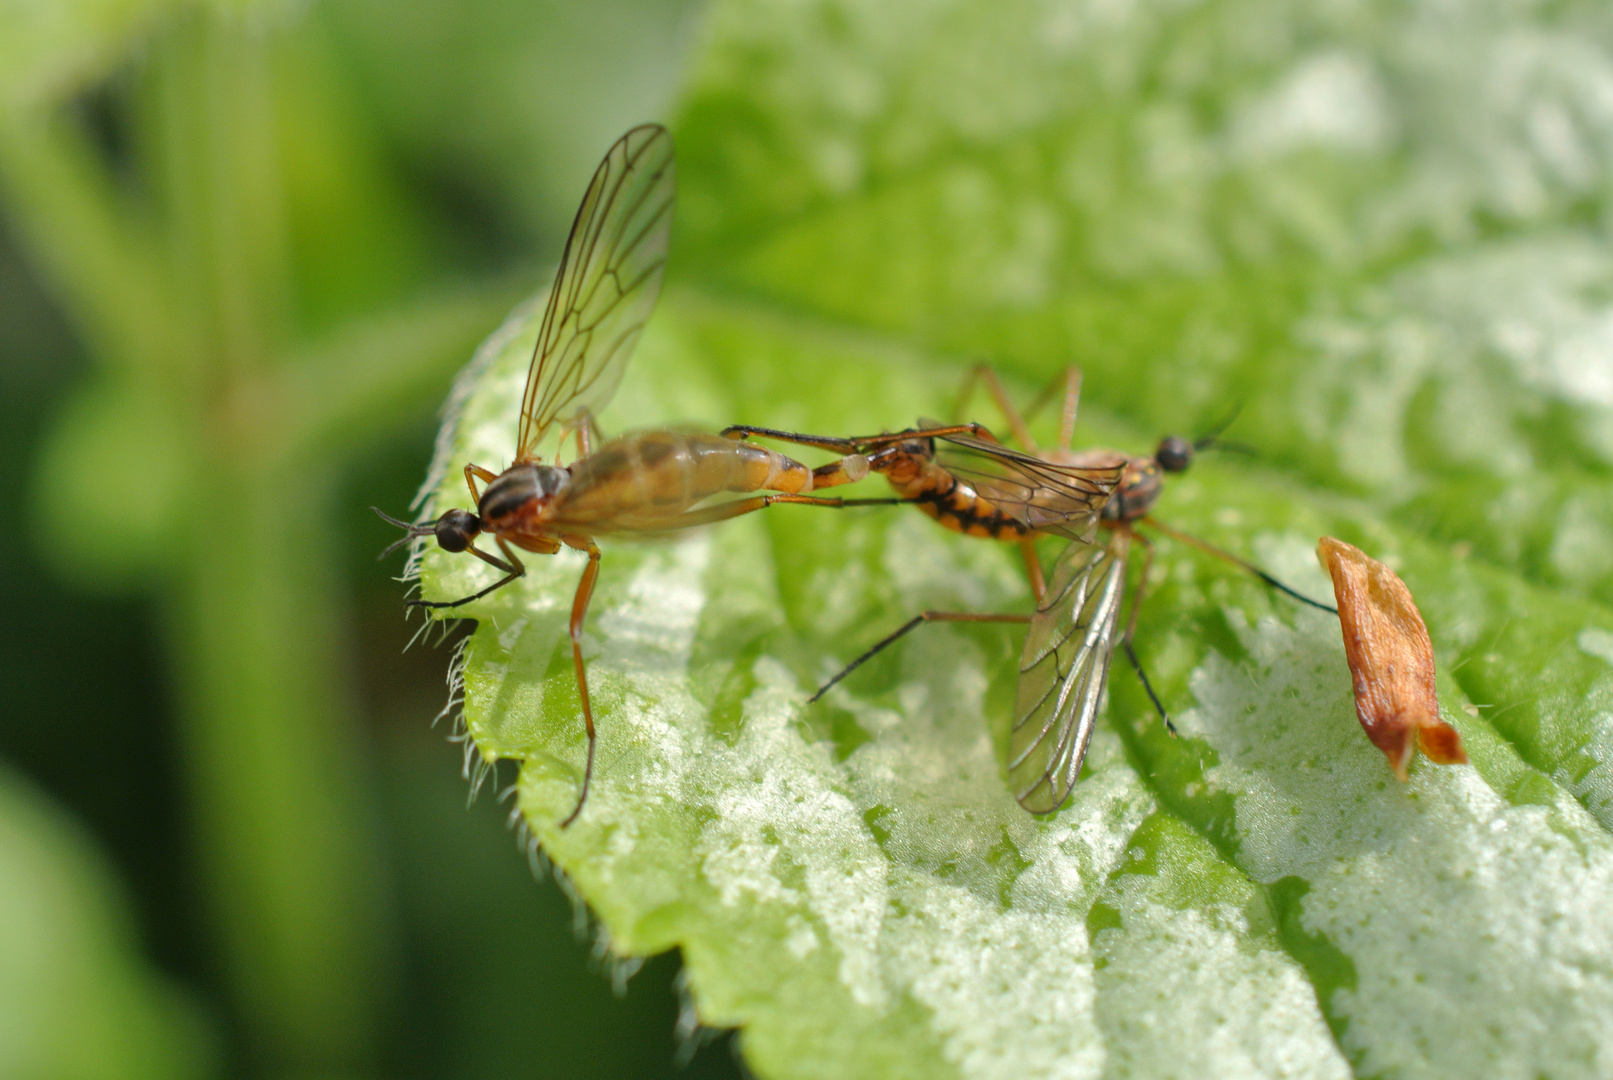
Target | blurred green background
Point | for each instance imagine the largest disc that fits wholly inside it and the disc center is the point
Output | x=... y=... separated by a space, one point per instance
x=243 y=251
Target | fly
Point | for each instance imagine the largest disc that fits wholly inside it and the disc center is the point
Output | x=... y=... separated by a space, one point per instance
x=650 y=482
x=971 y=482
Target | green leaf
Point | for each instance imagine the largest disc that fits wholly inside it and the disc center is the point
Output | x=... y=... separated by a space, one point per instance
x=1369 y=228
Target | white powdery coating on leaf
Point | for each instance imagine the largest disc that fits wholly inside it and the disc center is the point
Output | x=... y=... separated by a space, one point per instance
x=1033 y=961
x=1475 y=341
x=956 y=952
x=1186 y=993
x=1331 y=100
x=917 y=915
x=642 y=647
x=1594 y=641
x=1479 y=931
x=970 y=932
x=1593 y=786
x=655 y=626
x=780 y=813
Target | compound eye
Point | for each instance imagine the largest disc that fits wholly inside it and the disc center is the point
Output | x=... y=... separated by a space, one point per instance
x=1174 y=454
x=456 y=529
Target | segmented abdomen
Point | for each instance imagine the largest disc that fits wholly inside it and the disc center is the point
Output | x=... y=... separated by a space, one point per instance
x=642 y=482
x=952 y=502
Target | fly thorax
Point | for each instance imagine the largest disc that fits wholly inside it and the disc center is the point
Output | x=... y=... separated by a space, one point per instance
x=905 y=464
x=1139 y=488
x=520 y=491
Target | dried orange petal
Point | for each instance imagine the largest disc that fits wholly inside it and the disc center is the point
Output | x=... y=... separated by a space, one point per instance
x=1391 y=659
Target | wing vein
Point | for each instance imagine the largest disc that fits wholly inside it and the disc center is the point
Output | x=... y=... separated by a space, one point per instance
x=605 y=287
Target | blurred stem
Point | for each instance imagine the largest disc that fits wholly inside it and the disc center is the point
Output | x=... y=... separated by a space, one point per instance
x=348 y=388
x=102 y=267
x=190 y=297
x=287 y=838
x=210 y=112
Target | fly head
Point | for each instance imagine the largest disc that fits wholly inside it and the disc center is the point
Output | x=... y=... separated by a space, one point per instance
x=456 y=529
x=1175 y=454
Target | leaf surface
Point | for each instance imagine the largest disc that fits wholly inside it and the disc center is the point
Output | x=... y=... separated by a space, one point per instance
x=1346 y=219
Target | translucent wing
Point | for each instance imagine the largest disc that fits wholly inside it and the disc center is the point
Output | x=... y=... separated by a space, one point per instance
x=1047 y=497
x=1062 y=673
x=606 y=287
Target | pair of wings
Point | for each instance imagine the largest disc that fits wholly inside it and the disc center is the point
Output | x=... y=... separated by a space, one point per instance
x=606 y=287
x=604 y=291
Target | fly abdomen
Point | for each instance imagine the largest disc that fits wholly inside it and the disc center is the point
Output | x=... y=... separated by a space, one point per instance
x=959 y=507
x=764 y=469
x=645 y=481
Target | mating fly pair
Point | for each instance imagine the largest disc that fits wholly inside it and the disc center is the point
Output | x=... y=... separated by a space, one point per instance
x=967 y=480
x=659 y=481
x=654 y=481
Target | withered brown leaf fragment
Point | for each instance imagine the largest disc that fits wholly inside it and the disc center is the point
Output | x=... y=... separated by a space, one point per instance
x=1391 y=659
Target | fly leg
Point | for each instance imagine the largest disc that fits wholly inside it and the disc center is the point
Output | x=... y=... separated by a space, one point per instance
x=901 y=631
x=851 y=467
x=1070 y=383
x=588 y=433
x=859 y=444
x=1072 y=400
x=741 y=432
x=1211 y=549
x=585 y=430
x=510 y=564
x=1033 y=567
x=579 y=610
x=474 y=472
x=1131 y=629
x=739 y=507
x=994 y=386
x=1018 y=422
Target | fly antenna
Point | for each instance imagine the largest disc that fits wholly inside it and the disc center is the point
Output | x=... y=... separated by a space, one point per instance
x=1213 y=436
x=1231 y=446
x=409 y=531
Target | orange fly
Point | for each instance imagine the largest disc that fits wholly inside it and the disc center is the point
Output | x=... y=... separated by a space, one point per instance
x=654 y=481
x=969 y=481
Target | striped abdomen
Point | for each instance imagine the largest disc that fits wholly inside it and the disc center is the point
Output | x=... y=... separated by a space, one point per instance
x=949 y=500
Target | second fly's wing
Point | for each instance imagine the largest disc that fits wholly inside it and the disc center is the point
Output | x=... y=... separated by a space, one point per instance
x=1044 y=496
x=1062 y=673
x=606 y=287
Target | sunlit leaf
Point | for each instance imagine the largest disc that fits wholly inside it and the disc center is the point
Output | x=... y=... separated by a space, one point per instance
x=1368 y=228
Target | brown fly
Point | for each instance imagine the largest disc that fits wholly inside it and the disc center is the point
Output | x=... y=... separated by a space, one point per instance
x=650 y=482
x=969 y=481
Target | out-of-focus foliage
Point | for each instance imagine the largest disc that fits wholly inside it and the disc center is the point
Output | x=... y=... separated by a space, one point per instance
x=507 y=135
x=262 y=244
x=78 y=1001
x=1379 y=229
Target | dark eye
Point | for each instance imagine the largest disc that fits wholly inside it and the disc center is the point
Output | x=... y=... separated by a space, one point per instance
x=1174 y=454
x=456 y=529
